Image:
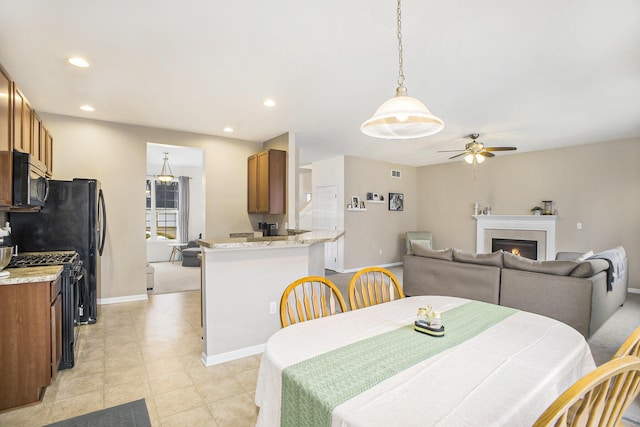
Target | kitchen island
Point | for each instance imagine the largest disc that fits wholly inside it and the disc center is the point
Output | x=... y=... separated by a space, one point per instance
x=243 y=280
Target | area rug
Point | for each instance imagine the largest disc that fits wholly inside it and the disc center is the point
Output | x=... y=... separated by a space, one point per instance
x=173 y=277
x=132 y=414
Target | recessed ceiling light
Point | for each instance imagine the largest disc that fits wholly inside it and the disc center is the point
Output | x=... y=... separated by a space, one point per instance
x=87 y=108
x=78 y=62
x=269 y=103
x=228 y=129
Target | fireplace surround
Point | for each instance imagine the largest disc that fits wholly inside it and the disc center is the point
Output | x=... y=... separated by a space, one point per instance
x=541 y=228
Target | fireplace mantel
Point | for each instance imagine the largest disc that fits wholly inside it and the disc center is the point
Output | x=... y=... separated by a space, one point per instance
x=542 y=223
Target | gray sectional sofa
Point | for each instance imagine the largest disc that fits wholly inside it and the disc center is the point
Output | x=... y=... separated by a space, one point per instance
x=570 y=290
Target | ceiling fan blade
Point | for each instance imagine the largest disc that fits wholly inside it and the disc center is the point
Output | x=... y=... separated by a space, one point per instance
x=500 y=148
x=487 y=154
x=450 y=151
x=458 y=155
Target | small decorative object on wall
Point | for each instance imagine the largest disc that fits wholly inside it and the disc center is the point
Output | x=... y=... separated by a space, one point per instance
x=376 y=196
x=362 y=205
x=355 y=201
x=396 y=201
x=537 y=210
x=548 y=207
x=369 y=196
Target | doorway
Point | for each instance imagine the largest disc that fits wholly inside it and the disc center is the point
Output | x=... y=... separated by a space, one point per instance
x=326 y=218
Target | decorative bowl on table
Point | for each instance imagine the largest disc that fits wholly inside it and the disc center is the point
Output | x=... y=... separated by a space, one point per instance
x=5 y=258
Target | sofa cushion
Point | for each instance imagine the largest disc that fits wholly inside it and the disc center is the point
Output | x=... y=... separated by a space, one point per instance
x=590 y=268
x=558 y=268
x=494 y=258
x=423 y=243
x=427 y=252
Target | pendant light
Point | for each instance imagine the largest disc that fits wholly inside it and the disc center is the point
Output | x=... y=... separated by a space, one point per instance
x=402 y=117
x=165 y=174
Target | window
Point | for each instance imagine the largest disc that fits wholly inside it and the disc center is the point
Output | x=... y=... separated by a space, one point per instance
x=162 y=210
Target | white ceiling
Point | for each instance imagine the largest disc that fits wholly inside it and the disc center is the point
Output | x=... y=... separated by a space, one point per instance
x=534 y=74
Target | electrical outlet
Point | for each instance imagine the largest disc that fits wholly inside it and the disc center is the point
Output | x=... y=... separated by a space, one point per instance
x=272 y=307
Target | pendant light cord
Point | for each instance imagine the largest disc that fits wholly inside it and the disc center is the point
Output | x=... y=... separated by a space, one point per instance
x=400 y=68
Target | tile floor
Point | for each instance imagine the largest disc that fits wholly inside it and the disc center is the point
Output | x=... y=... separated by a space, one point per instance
x=149 y=349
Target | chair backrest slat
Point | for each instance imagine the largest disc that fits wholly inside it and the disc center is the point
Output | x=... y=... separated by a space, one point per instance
x=305 y=299
x=373 y=285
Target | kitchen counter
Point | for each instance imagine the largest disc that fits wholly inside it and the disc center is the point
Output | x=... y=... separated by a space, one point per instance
x=242 y=283
x=31 y=274
x=308 y=238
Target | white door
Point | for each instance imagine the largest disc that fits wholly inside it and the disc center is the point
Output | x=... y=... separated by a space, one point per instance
x=325 y=217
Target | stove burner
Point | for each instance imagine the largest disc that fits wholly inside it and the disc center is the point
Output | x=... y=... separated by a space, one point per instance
x=43 y=259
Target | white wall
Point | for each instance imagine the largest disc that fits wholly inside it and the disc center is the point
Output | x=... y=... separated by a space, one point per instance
x=116 y=155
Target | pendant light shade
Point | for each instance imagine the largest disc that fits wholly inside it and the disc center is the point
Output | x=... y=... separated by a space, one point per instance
x=165 y=174
x=402 y=117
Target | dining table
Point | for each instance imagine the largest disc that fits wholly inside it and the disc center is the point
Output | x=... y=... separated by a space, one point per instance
x=494 y=366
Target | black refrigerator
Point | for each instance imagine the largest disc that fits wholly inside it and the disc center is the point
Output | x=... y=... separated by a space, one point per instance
x=72 y=219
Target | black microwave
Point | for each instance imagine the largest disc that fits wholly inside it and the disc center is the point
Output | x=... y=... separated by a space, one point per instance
x=30 y=185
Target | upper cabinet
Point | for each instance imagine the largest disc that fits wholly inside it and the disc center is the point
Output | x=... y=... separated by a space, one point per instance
x=22 y=130
x=6 y=137
x=267 y=182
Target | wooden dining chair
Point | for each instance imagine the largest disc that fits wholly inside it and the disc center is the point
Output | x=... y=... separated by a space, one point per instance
x=373 y=285
x=631 y=346
x=310 y=298
x=600 y=398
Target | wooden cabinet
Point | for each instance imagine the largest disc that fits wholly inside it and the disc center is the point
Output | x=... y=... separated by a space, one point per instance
x=6 y=137
x=22 y=124
x=267 y=182
x=48 y=153
x=30 y=340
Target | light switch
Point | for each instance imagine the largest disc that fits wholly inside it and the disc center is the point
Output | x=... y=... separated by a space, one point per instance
x=579 y=226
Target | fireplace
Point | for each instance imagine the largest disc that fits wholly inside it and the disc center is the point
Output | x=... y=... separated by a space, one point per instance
x=541 y=229
x=524 y=248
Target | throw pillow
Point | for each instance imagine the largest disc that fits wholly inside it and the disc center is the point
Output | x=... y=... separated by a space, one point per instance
x=584 y=256
x=558 y=268
x=494 y=258
x=590 y=268
x=424 y=243
x=427 y=252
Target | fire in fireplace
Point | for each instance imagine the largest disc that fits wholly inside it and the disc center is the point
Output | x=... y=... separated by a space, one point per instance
x=524 y=248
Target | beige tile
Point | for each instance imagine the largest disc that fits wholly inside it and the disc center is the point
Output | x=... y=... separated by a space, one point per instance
x=123 y=361
x=88 y=352
x=235 y=411
x=196 y=417
x=74 y=406
x=248 y=379
x=116 y=395
x=89 y=367
x=74 y=386
x=34 y=415
x=244 y=364
x=122 y=349
x=171 y=381
x=177 y=401
x=225 y=387
x=201 y=373
x=125 y=375
x=163 y=366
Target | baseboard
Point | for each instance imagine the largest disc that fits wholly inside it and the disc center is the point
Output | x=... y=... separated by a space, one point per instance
x=633 y=291
x=217 y=359
x=117 y=300
x=353 y=270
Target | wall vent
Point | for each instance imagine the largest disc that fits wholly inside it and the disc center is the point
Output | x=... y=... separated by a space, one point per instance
x=395 y=173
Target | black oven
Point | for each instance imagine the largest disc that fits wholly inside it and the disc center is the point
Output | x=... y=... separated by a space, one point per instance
x=74 y=290
x=30 y=185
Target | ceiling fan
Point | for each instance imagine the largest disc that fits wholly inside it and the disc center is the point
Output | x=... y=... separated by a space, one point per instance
x=475 y=152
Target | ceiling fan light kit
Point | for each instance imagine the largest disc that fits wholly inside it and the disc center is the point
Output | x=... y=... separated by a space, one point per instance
x=402 y=117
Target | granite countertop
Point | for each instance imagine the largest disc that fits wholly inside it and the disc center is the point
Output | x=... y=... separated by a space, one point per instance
x=31 y=274
x=308 y=238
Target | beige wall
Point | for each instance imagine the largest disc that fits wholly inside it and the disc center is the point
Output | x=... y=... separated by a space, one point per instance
x=115 y=154
x=377 y=228
x=597 y=185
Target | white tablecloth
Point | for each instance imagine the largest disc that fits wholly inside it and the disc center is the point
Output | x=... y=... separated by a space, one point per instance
x=506 y=376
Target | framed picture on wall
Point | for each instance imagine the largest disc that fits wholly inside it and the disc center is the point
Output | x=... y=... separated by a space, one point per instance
x=355 y=202
x=396 y=201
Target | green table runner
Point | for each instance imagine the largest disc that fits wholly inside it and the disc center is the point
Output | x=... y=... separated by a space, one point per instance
x=311 y=389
